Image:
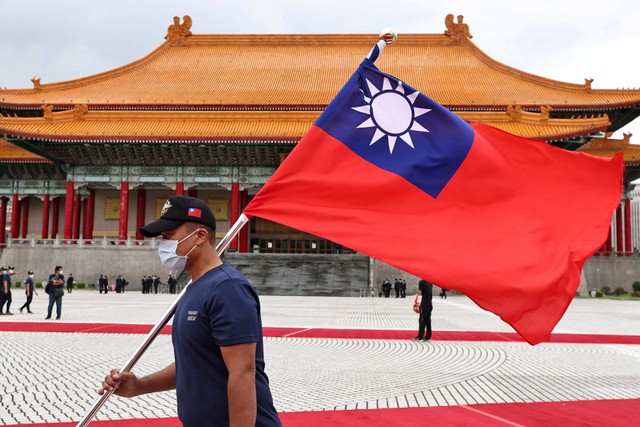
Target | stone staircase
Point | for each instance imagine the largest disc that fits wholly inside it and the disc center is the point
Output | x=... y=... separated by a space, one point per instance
x=304 y=275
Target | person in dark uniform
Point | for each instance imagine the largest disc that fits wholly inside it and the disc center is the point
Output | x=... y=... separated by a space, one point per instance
x=148 y=285
x=5 y=290
x=425 y=291
x=29 y=289
x=403 y=289
x=396 y=287
x=156 y=283
x=70 y=280
x=57 y=292
x=172 y=284
x=386 y=288
x=218 y=371
x=119 y=284
x=3 y=271
x=105 y=283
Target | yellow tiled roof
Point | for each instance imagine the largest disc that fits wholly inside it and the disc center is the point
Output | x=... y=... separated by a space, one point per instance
x=297 y=71
x=248 y=125
x=605 y=147
x=10 y=153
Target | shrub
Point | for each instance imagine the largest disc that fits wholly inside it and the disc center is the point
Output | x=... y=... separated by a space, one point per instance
x=80 y=285
x=606 y=290
x=38 y=285
x=636 y=286
x=620 y=291
x=17 y=284
x=636 y=294
x=599 y=294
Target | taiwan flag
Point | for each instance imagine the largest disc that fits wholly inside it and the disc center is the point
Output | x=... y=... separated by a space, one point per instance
x=507 y=221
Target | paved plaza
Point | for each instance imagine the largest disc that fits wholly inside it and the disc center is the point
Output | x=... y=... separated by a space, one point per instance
x=52 y=377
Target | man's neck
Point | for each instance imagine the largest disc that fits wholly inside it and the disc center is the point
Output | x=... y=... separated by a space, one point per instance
x=202 y=264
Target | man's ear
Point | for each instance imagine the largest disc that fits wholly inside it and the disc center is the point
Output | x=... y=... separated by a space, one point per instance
x=203 y=235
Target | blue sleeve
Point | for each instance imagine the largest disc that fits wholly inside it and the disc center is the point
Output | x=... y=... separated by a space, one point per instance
x=234 y=317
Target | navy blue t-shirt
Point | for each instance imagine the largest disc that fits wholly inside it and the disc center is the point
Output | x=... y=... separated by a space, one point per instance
x=220 y=309
x=28 y=284
x=6 y=277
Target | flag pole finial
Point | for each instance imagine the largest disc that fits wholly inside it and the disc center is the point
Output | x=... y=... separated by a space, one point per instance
x=389 y=35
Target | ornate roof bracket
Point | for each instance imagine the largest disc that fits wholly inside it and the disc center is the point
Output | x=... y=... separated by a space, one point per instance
x=458 y=32
x=177 y=32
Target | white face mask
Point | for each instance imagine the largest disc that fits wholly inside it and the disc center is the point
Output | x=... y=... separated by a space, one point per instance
x=168 y=256
x=60 y=272
x=10 y=271
x=31 y=275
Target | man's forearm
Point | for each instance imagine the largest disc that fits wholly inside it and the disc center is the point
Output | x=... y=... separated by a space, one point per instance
x=241 y=391
x=159 y=381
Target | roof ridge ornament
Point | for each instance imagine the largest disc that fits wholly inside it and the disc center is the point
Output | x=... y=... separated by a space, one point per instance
x=514 y=112
x=458 y=32
x=177 y=32
x=47 y=111
x=36 y=84
x=79 y=111
x=545 y=111
x=587 y=85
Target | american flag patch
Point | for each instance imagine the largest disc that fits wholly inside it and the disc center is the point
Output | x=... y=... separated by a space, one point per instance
x=194 y=212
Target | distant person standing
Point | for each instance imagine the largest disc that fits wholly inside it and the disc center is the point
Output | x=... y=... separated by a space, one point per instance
x=29 y=289
x=443 y=293
x=70 y=280
x=425 y=291
x=156 y=283
x=403 y=289
x=56 y=280
x=172 y=284
x=119 y=284
x=396 y=287
x=105 y=282
x=6 y=290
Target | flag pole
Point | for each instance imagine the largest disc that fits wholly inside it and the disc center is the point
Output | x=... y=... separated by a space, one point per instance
x=220 y=248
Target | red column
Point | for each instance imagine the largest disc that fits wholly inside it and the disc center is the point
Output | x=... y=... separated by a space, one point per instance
x=234 y=211
x=140 y=214
x=619 y=226
x=68 y=212
x=3 y=220
x=124 y=211
x=76 y=216
x=88 y=214
x=627 y=227
x=45 y=217
x=179 y=188
x=15 y=216
x=24 y=208
x=55 y=217
x=244 y=232
x=193 y=192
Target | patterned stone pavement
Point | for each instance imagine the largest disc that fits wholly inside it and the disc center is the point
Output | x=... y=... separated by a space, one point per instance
x=50 y=377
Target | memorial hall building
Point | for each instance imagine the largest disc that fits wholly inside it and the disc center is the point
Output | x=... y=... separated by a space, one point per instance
x=213 y=116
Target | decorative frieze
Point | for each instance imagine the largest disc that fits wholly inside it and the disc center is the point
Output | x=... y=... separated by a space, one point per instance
x=37 y=188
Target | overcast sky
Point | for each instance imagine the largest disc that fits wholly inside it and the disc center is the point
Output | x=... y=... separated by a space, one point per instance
x=567 y=40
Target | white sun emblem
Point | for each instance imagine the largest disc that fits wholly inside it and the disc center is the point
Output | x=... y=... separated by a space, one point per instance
x=392 y=113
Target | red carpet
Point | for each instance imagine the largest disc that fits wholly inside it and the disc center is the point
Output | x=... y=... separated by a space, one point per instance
x=116 y=328
x=596 y=413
